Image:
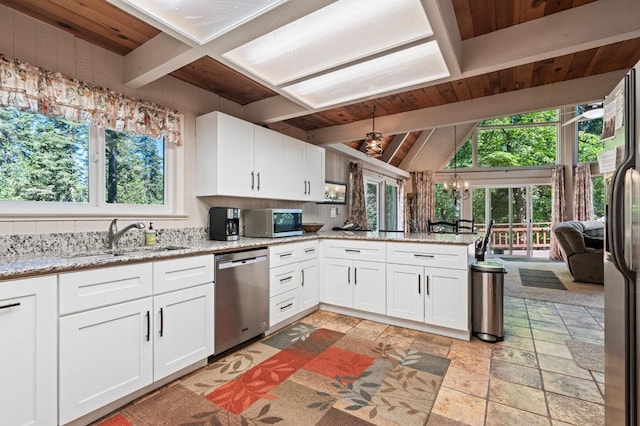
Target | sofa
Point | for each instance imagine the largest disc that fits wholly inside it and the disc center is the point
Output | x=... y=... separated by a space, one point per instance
x=581 y=244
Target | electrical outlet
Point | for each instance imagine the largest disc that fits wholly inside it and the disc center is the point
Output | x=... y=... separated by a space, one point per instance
x=334 y=212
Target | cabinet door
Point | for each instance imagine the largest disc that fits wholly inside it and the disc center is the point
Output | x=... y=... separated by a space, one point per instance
x=105 y=354
x=369 y=287
x=314 y=171
x=309 y=284
x=183 y=327
x=447 y=298
x=234 y=158
x=295 y=185
x=337 y=285
x=270 y=170
x=405 y=291
x=28 y=355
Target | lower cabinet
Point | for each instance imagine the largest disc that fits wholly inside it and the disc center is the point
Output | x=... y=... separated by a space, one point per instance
x=109 y=352
x=105 y=354
x=28 y=351
x=355 y=284
x=436 y=296
x=293 y=280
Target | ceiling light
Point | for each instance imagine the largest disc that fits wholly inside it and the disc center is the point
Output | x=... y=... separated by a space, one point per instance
x=198 y=20
x=455 y=189
x=408 y=67
x=339 y=33
x=373 y=140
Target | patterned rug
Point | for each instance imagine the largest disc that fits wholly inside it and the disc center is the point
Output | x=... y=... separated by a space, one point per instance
x=300 y=376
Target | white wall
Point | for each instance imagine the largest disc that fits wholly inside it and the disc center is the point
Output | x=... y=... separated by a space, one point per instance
x=32 y=41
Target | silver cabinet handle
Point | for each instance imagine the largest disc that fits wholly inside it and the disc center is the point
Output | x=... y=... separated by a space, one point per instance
x=282 y=308
x=286 y=255
x=11 y=305
x=427 y=256
x=355 y=275
x=349 y=275
x=309 y=192
x=148 y=326
x=305 y=187
x=309 y=250
x=252 y=181
x=161 y=322
x=352 y=251
x=427 y=285
x=419 y=279
x=258 y=181
x=302 y=278
x=286 y=279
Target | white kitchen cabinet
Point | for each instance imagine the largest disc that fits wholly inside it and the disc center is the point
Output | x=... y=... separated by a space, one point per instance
x=156 y=318
x=183 y=327
x=293 y=280
x=428 y=283
x=224 y=156
x=28 y=355
x=105 y=354
x=240 y=159
x=355 y=284
x=314 y=172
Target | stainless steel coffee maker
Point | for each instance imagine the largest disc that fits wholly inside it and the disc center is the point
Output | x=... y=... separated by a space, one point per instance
x=224 y=223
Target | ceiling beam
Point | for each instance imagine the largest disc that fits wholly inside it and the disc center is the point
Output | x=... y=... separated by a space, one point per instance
x=569 y=92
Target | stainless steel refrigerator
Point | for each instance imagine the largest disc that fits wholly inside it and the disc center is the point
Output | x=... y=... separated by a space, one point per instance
x=621 y=260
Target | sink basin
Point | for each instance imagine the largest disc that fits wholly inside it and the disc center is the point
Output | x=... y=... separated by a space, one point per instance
x=110 y=254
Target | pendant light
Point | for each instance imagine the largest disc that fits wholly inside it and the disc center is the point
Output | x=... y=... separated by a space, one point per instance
x=455 y=189
x=373 y=140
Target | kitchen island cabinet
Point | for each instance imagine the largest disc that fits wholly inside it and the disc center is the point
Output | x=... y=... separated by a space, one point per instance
x=28 y=361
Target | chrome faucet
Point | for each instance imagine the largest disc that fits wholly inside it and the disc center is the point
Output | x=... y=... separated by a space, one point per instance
x=115 y=235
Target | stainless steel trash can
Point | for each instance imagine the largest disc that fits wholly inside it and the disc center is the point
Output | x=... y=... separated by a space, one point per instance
x=487 y=282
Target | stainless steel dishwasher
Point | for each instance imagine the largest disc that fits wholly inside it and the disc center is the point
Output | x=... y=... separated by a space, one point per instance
x=241 y=297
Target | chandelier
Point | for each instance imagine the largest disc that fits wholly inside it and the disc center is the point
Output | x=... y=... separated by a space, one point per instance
x=373 y=140
x=455 y=189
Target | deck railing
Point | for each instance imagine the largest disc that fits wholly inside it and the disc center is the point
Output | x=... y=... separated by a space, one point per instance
x=501 y=239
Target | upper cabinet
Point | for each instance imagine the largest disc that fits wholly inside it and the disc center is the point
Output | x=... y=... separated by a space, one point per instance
x=239 y=159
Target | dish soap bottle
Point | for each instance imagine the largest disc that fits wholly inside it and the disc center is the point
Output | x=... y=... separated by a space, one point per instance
x=150 y=236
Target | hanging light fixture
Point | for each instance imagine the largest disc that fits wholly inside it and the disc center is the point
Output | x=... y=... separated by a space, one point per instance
x=373 y=140
x=455 y=189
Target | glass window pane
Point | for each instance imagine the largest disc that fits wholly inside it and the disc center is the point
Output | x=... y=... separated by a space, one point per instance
x=478 y=208
x=463 y=158
x=43 y=158
x=446 y=208
x=589 y=132
x=134 y=168
x=599 y=196
x=512 y=147
x=372 y=205
x=391 y=207
x=549 y=116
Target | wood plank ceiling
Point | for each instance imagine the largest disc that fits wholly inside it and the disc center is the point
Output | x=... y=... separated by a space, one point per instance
x=100 y=23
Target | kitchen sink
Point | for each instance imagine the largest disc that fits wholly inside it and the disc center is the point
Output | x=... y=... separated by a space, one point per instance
x=106 y=254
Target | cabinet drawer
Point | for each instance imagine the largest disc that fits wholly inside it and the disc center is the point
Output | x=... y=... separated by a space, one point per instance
x=436 y=255
x=83 y=290
x=282 y=254
x=176 y=274
x=284 y=278
x=355 y=250
x=307 y=250
x=283 y=306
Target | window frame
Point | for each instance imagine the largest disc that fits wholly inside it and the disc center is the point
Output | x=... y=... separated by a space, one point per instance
x=97 y=206
x=382 y=181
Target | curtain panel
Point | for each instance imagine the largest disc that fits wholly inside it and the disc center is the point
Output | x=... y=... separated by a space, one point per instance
x=424 y=200
x=583 y=201
x=557 y=208
x=33 y=89
x=402 y=205
x=358 y=212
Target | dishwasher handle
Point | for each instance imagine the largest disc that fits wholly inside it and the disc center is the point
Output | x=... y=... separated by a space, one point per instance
x=241 y=262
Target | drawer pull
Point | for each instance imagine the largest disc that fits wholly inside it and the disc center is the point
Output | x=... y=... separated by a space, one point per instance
x=148 y=326
x=426 y=256
x=282 y=308
x=286 y=255
x=161 y=322
x=352 y=251
x=309 y=250
x=11 y=305
x=286 y=279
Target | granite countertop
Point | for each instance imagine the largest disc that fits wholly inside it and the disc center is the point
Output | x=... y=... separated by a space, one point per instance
x=29 y=266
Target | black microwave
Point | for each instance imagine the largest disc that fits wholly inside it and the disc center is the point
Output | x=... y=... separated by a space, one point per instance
x=272 y=223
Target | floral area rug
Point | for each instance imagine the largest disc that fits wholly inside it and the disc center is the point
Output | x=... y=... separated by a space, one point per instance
x=300 y=376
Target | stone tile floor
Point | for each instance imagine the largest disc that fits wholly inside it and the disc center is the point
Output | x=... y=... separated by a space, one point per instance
x=539 y=374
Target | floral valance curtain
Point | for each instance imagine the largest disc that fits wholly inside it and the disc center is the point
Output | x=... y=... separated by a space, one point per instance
x=33 y=89
x=583 y=201
x=557 y=208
